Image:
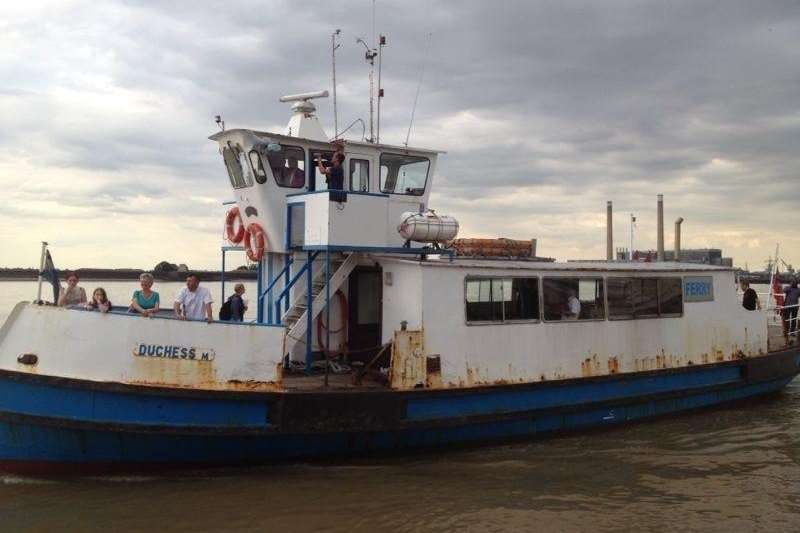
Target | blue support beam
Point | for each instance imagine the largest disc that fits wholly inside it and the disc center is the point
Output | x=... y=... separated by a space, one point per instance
x=309 y=304
x=269 y=294
x=260 y=310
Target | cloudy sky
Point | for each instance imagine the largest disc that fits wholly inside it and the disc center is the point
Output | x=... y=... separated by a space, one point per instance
x=546 y=110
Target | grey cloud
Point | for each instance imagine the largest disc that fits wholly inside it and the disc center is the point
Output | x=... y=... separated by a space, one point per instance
x=593 y=100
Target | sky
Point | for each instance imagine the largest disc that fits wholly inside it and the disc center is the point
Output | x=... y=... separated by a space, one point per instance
x=547 y=109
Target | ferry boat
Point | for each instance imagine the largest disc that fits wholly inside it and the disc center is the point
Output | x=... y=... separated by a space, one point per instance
x=374 y=333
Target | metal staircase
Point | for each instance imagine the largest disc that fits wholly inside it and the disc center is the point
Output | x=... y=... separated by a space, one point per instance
x=296 y=318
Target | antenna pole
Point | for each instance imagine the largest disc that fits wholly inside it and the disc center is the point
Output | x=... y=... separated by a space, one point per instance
x=334 y=46
x=419 y=85
x=371 y=100
x=381 y=44
x=370 y=57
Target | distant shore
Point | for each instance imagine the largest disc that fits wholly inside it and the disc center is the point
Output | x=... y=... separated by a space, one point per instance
x=127 y=274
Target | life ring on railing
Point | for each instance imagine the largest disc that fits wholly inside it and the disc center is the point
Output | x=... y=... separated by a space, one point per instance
x=344 y=309
x=255 y=241
x=234 y=236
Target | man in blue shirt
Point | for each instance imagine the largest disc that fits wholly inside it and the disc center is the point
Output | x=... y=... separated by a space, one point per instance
x=334 y=173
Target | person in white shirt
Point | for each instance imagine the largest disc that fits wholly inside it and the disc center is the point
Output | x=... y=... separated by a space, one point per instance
x=193 y=301
x=573 y=305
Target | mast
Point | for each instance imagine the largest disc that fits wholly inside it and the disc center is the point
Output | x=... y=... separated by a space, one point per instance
x=334 y=46
x=381 y=44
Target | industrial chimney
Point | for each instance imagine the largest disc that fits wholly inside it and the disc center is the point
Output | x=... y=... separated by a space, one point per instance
x=609 y=232
x=678 y=238
x=660 y=249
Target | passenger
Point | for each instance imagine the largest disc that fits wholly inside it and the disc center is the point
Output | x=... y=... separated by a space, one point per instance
x=72 y=295
x=146 y=302
x=292 y=176
x=750 y=298
x=334 y=173
x=194 y=302
x=99 y=301
x=792 y=296
x=234 y=307
x=573 y=311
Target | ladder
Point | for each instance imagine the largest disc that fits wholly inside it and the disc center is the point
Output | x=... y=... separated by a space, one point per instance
x=296 y=318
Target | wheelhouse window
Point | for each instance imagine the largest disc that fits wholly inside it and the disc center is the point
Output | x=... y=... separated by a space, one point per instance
x=644 y=297
x=573 y=299
x=288 y=166
x=238 y=170
x=258 y=168
x=320 y=180
x=502 y=299
x=404 y=174
x=359 y=175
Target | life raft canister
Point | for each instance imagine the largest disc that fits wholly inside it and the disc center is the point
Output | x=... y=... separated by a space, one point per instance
x=235 y=236
x=255 y=241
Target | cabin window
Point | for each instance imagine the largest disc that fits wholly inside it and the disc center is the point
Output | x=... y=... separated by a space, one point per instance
x=620 y=301
x=359 y=175
x=258 y=168
x=233 y=158
x=288 y=166
x=644 y=297
x=670 y=296
x=502 y=299
x=404 y=174
x=573 y=299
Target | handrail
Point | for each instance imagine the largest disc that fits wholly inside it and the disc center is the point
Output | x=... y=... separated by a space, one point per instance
x=166 y=317
x=297 y=276
x=280 y=275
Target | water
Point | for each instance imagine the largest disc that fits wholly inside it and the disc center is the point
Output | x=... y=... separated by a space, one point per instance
x=727 y=469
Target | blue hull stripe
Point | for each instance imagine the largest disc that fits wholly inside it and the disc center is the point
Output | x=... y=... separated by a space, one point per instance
x=72 y=403
x=25 y=442
x=472 y=404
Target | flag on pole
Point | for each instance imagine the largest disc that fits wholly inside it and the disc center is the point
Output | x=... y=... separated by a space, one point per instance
x=50 y=273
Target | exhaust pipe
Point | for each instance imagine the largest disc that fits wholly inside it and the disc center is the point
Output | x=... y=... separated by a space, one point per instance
x=609 y=232
x=678 y=238
x=660 y=247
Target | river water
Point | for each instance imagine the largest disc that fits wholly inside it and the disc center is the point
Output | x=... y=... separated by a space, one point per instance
x=727 y=469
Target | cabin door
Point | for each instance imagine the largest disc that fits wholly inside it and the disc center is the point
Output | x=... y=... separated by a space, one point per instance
x=365 y=302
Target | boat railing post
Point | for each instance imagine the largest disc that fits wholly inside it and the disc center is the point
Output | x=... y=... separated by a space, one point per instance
x=309 y=311
x=222 y=276
x=327 y=314
x=41 y=268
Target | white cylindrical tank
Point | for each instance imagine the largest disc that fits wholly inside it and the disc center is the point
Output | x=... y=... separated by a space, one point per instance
x=427 y=227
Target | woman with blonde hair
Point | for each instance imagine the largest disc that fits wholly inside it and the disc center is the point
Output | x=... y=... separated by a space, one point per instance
x=146 y=301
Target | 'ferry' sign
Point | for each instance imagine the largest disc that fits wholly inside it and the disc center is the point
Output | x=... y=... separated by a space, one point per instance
x=698 y=289
x=171 y=351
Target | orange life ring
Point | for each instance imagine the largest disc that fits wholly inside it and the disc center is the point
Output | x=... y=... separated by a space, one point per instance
x=235 y=237
x=255 y=241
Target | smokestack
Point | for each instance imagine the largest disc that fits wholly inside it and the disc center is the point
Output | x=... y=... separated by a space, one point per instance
x=660 y=249
x=678 y=238
x=609 y=232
